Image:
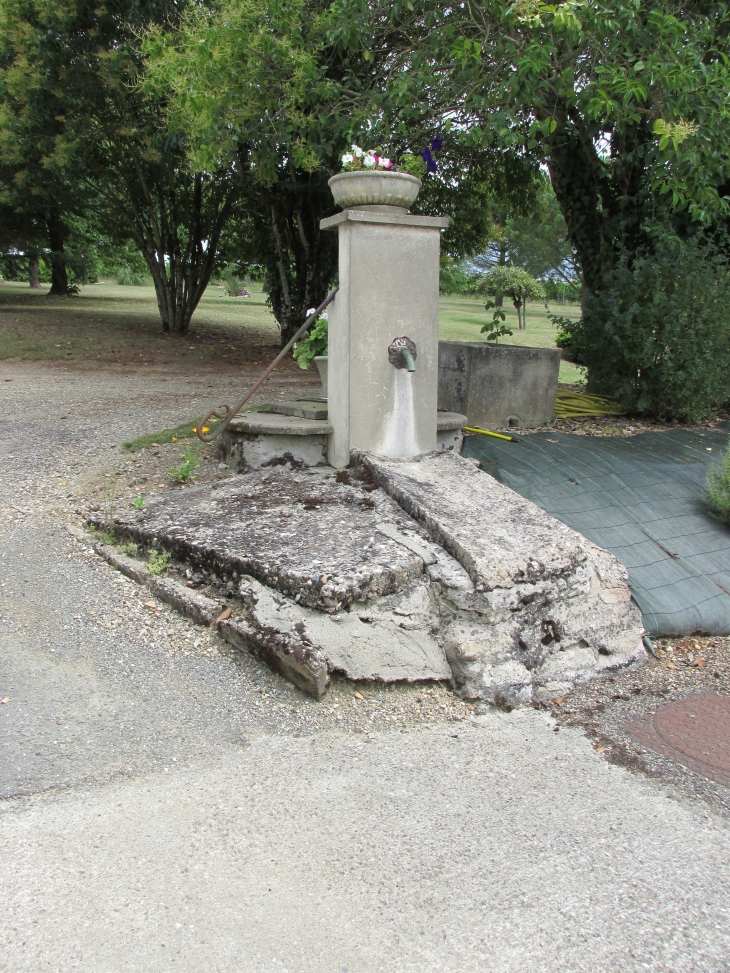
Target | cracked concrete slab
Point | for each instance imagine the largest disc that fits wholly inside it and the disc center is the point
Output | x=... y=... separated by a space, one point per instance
x=359 y=644
x=526 y=603
x=314 y=535
x=403 y=570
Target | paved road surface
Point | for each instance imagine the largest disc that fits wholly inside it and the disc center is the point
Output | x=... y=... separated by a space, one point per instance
x=188 y=811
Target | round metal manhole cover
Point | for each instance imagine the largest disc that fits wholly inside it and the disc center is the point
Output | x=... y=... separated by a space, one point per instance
x=694 y=732
x=698 y=728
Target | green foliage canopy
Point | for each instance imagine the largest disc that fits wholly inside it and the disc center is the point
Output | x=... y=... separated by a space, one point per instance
x=626 y=102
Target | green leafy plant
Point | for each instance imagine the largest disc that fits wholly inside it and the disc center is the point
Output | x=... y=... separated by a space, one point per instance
x=157 y=561
x=183 y=472
x=105 y=536
x=414 y=165
x=138 y=502
x=313 y=345
x=129 y=548
x=494 y=329
x=564 y=337
x=718 y=488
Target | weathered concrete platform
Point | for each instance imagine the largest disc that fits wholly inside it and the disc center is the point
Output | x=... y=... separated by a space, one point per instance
x=260 y=439
x=402 y=570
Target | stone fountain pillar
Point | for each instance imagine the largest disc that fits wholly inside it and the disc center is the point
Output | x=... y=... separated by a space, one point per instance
x=388 y=289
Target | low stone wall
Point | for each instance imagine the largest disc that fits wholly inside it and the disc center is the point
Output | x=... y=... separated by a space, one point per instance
x=498 y=385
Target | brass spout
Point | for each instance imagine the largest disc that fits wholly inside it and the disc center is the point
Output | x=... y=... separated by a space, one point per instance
x=408 y=359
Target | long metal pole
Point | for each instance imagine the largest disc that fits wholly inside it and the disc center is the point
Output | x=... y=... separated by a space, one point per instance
x=227 y=414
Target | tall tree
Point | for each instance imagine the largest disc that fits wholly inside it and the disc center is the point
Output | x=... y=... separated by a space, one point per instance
x=624 y=102
x=83 y=133
x=256 y=83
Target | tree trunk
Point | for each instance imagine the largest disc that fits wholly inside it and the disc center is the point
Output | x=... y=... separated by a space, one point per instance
x=56 y=236
x=178 y=289
x=605 y=212
x=177 y=221
x=34 y=273
x=301 y=260
x=499 y=298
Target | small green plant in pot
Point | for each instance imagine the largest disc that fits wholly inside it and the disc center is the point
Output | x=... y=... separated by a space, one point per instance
x=315 y=344
x=314 y=348
x=718 y=488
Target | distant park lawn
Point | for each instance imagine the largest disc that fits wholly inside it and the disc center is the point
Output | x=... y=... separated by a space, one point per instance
x=109 y=322
x=461 y=318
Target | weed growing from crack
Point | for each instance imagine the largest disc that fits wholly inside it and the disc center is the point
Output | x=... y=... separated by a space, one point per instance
x=104 y=536
x=182 y=473
x=158 y=561
x=138 y=502
x=109 y=502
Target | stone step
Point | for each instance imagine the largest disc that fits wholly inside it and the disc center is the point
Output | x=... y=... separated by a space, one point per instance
x=275 y=424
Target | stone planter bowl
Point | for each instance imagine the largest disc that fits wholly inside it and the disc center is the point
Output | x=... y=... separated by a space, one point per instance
x=392 y=189
x=321 y=362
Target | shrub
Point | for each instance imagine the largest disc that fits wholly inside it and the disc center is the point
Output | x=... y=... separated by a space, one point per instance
x=131 y=276
x=564 y=337
x=718 y=488
x=657 y=338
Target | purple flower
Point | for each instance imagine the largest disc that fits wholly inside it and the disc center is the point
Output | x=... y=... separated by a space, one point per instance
x=429 y=160
x=436 y=143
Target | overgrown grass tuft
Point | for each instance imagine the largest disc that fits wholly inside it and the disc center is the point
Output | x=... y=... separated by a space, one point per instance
x=183 y=431
x=718 y=488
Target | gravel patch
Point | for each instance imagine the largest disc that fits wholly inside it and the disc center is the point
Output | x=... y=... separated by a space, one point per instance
x=100 y=684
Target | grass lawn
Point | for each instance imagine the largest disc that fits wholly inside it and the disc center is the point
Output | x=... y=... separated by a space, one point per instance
x=121 y=325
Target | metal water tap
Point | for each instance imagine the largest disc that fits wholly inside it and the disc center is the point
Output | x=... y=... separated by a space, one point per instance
x=402 y=353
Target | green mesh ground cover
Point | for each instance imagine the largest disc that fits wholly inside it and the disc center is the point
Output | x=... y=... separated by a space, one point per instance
x=640 y=498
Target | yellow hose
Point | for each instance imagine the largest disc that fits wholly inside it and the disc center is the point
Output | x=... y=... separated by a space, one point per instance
x=488 y=432
x=580 y=405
